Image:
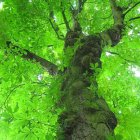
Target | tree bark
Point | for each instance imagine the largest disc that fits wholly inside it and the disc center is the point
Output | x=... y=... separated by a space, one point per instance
x=87 y=116
x=28 y=55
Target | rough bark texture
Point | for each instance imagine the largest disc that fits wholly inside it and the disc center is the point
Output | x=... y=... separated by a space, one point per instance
x=86 y=116
x=26 y=54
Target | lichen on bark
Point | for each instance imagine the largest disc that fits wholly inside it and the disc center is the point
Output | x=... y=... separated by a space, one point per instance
x=86 y=115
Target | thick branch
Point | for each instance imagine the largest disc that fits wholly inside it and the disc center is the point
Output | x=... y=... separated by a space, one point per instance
x=113 y=35
x=117 y=13
x=75 y=12
x=51 y=68
x=74 y=33
x=81 y=4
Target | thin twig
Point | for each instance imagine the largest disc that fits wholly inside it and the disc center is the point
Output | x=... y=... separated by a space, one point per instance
x=115 y=53
x=55 y=26
x=134 y=18
x=131 y=8
x=10 y=93
x=65 y=19
x=107 y=17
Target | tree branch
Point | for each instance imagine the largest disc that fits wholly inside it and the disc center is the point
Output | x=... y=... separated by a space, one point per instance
x=121 y=56
x=74 y=33
x=10 y=93
x=55 y=26
x=65 y=20
x=50 y=67
x=134 y=18
x=117 y=13
x=113 y=35
x=131 y=8
x=106 y=17
x=80 y=5
x=75 y=12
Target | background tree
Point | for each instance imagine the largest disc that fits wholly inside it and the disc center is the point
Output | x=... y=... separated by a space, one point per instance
x=59 y=69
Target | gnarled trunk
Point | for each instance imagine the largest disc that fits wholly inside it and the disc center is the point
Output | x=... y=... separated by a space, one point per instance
x=86 y=116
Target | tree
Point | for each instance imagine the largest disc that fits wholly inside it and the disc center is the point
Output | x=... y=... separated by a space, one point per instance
x=61 y=74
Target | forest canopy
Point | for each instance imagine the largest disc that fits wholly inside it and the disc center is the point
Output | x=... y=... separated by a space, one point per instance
x=29 y=94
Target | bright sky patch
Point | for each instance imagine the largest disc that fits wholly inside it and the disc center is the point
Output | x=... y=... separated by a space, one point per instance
x=136 y=71
x=108 y=54
x=1 y=5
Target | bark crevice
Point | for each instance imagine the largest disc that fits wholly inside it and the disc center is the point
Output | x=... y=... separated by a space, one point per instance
x=86 y=115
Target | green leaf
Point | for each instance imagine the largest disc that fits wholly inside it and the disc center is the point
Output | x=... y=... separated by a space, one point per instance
x=31 y=136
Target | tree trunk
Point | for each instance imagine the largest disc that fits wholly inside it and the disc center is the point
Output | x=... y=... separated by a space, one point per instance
x=86 y=116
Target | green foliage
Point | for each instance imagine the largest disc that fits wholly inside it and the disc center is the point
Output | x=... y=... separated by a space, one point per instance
x=28 y=94
x=94 y=10
x=27 y=101
x=119 y=82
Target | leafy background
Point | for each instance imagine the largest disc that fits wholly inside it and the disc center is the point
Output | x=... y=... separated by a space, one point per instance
x=28 y=94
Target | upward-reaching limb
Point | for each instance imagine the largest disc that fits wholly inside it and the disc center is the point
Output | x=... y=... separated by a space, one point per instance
x=80 y=5
x=65 y=18
x=51 y=68
x=131 y=8
x=55 y=26
x=117 y=13
x=113 y=35
x=75 y=12
x=75 y=31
